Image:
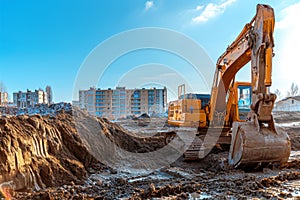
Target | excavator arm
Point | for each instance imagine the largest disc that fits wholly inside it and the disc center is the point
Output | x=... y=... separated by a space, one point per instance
x=255 y=44
x=257 y=140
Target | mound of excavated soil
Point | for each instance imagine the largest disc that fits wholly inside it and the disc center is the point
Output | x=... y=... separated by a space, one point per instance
x=38 y=152
x=43 y=151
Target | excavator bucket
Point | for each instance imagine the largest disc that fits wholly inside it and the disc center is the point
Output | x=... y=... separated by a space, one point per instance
x=254 y=146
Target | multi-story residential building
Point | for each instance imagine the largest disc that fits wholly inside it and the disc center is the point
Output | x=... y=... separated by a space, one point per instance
x=3 y=98
x=30 y=98
x=87 y=100
x=121 y=102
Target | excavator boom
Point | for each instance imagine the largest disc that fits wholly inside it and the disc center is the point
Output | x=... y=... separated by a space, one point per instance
x=255 y=44
x=257 y=141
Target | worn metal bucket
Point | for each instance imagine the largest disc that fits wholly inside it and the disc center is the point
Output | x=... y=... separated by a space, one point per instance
x=254 y=145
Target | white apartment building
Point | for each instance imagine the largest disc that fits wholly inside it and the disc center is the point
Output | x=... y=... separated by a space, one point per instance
x=121 y=102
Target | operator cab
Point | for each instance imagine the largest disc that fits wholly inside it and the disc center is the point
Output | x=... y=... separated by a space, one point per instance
x=244 y=100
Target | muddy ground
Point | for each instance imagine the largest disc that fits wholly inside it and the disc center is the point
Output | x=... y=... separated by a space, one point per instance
x=209 y=178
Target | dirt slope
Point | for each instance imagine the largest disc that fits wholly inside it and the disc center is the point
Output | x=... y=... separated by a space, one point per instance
x=38 y=152
x=42 y=151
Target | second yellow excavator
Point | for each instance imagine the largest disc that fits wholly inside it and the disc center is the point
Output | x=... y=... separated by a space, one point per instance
x=239 y=113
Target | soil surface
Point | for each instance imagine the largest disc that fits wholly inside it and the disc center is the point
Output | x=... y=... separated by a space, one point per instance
x=76 y=156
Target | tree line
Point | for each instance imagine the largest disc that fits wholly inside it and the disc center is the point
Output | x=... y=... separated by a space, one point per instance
x=293 y=91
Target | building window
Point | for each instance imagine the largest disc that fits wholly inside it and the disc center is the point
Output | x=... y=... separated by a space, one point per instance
x=292 y=101
x=136 y=94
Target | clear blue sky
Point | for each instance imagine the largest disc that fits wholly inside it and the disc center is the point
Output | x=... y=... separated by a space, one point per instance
x=45 y=42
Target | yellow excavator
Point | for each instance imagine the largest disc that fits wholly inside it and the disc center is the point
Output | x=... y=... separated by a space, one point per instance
x=239 y=113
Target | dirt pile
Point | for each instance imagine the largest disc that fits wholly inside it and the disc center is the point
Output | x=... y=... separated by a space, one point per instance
x=127 y=140
x=38 y=152
x=45 y=151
